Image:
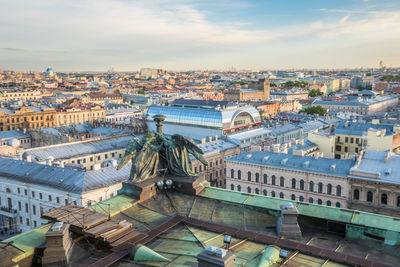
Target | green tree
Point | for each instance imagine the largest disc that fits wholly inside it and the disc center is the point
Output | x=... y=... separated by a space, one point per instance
x=316 y=110
x=295 y=84
x=314 y=93
x=141 y=92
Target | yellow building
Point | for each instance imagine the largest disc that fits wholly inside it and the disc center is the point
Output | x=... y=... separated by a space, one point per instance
x=7 y=96
x=257 y=90
x=31 y=117
x=325 y=142
x=80 y=114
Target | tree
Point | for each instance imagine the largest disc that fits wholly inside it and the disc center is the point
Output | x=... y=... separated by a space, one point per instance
x=314 y=93
x=316 y=110
x=141 y=92
x=295 y=84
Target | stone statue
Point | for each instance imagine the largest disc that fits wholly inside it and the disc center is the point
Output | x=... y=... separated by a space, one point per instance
x=160 y=155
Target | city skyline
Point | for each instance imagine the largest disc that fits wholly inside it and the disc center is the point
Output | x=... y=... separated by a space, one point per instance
x=181 y=35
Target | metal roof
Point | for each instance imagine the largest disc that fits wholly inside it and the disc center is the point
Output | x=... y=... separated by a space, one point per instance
x=64 y=179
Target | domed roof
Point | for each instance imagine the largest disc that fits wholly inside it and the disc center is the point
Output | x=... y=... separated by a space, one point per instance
x=49 y=69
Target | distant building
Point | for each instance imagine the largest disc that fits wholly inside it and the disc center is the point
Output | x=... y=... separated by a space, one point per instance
x=148 y=73
x=289 y=95
x=201 y=119
x=257 y=90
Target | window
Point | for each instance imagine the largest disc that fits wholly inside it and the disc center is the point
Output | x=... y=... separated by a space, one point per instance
x=281 y=195
x=346 y=139
x=273 y=193
x=352 y=140
x=301 y=184
x=265 y=192
x=248 y=189
x=232 y=187
x=239 y=188
x=25 y=192
x=311 y=188
x=232 y=173
x=320 y=187
x=27 y=222
x=257 y=191
x=282 y=181
x=370 y=196
x=357 y=140
x=239 y=175
x=293 y=183
x=33 y=194
x=301 y=198
x=34 y=209
x=329 y=189
x=273 y=180
x=58 y=200
x=249 y=176
x=19 y=206
x=40 y=195
x=384 y=199
x=319 y=201
x=19 y=190
x=337 y=205
x=293 y=197
x=398 y=201
x=34 y=224
x=311 y=200
x=257 y=177
x=265 y=179
x=346 y=149
x=50 y=199
x=26 y=208
x=338 y=190
x=356 y=194
x=338 y=148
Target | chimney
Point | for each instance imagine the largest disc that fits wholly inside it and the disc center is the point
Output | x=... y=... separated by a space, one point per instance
x=58 y=245
x=203 y=140
x=215 y=257
x=114 y=163
x=216 y=138
x=97 y=167
x=29 y=158
x=210 y=139
x=287 y=225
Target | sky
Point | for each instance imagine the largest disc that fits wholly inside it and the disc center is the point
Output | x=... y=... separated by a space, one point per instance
x=95 y=35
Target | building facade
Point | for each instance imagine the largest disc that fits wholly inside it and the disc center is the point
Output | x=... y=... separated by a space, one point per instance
x=301 y=178
x=256 y=91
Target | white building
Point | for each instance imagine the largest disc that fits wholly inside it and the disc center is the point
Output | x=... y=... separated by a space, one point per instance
x=27 y=188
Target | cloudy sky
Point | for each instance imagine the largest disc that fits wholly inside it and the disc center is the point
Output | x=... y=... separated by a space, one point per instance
x=79 y=35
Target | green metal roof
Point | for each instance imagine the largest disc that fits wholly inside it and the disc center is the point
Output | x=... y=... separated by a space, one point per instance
x=27 y=241
x=307 y=209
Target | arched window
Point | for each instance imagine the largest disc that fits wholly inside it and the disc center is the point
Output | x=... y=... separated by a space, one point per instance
x=301 y=184
x=8 y=190
x=273 y=193
x=293 y=183
x=293 y=197
x=248 y=189
x=265 y=192
x=282 y=181
x=301 y=198
x=337 y=205
x=249 y=176
x=257 y=177
x=320 y=187
x=329 y=203
x=281 y=195
x=338 y=190
x=329 y=189
x=232 y=173
x=311 y=188
x=311 y=200
x=319 y=201
x=257 y=191
x=239 y=175
x=273 y=180
x=384 y=199
x=232 y=187
x=265 y=179
x=370 y=196
x=356 y=194
x=239 y=188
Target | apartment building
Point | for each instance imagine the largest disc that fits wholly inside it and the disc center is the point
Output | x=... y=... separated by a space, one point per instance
x=302 y=178
x=29 y=188
x=7 y=96
x=79 y=114
x=27 y=117
x=215 y=152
